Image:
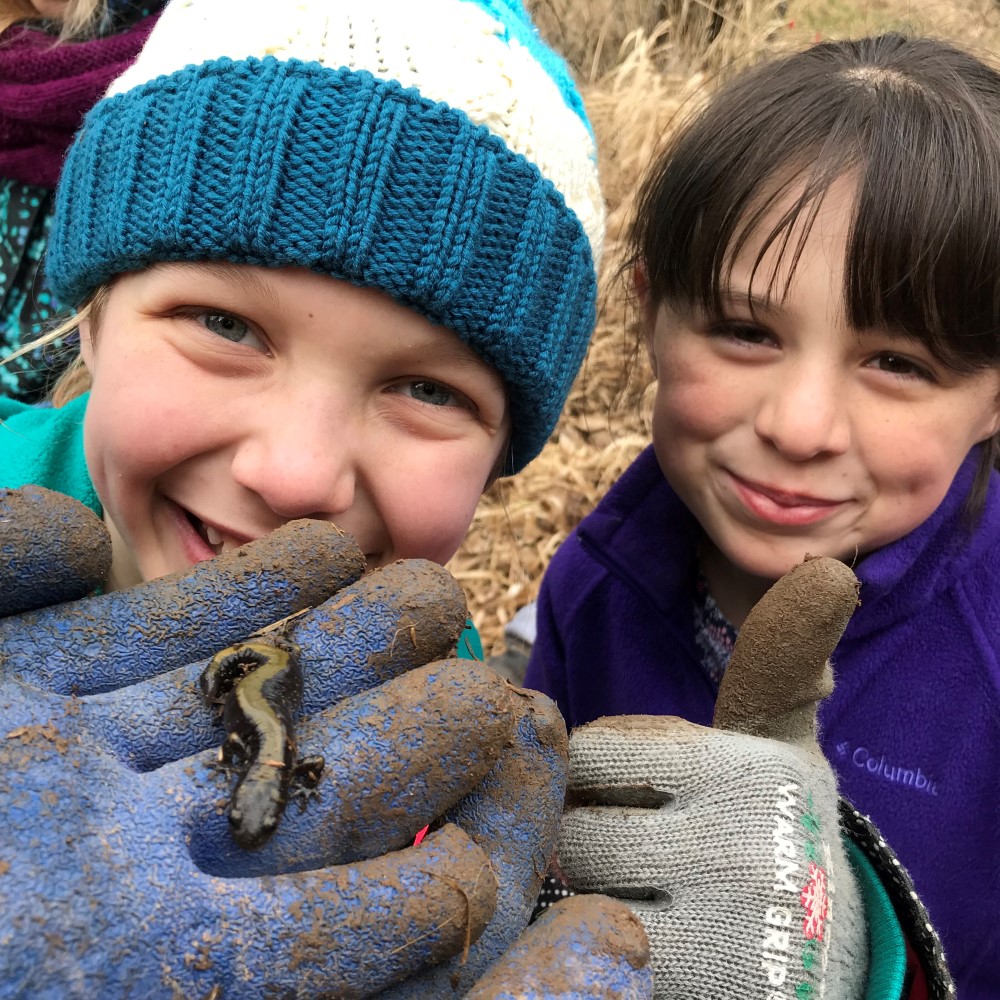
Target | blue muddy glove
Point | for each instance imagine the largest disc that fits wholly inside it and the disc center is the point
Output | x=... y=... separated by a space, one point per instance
x=36 y=572
x=583 y=947
x=118 y=876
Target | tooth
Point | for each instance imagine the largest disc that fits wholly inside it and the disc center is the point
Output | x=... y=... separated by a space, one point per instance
x=212 y=536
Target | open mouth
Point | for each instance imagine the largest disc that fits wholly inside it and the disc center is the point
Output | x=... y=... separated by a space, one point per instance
x=206 y=533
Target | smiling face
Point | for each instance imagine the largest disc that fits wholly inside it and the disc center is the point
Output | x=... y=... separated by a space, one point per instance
x=786 y=431
x=229 y=399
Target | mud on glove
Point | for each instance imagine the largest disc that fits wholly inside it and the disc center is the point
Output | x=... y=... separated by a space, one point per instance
x=725 y=841
x=117 y=873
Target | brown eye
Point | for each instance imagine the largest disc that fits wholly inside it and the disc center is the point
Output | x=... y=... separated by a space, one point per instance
x=898 y=364
x=743 y=333
x=751 y=334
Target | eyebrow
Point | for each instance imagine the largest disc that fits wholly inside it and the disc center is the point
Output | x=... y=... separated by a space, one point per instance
x=773 y=306
x=448 y=347
x=247 y=281
x=757 y=303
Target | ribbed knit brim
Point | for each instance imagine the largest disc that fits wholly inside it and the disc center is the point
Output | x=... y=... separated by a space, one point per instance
x=285 y=162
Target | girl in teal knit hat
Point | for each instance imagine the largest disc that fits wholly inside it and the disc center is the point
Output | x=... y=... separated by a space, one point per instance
x=321 y=272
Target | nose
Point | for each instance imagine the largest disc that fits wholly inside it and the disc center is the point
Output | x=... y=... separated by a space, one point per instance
x=804 y=413
x=300 y=463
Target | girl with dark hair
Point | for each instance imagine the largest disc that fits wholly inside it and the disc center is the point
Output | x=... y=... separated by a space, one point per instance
x=816 y=257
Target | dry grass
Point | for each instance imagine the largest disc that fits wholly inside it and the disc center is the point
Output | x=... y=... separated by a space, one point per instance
x=638 y=67
x=973 y=24
x=640 y=63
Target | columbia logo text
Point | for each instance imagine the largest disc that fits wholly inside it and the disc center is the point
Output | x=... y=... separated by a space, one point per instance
x=877 y=766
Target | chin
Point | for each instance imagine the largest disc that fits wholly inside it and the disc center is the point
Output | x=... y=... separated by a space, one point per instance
x=50 y=8
x=773 y=564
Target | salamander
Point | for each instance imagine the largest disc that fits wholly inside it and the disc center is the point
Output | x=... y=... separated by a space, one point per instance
x=228 y=667
x=259 y=684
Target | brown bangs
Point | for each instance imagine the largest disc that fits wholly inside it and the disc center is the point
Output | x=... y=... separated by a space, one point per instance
x=916 y=121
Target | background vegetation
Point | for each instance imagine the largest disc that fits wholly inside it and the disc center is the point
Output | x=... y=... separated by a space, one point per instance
x=641 y=64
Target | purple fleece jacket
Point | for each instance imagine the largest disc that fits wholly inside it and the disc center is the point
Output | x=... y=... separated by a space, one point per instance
x=913 y=726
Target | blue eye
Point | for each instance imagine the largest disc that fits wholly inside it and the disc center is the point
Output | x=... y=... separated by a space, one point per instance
x=230 y=327
x=431 y=392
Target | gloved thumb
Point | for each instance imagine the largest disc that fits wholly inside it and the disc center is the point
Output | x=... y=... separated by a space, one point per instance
x=725 y=841
x=52 y=549
x=779 y=671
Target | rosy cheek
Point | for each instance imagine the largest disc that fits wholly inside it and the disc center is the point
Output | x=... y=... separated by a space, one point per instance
x=922 y=488
x=451 y=528
x=437 y=533
x=902 y=461
x=696 y=409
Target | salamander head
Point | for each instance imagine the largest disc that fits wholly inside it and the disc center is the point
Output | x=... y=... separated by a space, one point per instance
x=256 y=807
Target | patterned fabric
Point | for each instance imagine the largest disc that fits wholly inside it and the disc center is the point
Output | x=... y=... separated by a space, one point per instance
x=713 y=635
x=124 y=12
x=27 y=307
x=907 y=909
x=911 y=913
x=335 y=137
x=45 y=91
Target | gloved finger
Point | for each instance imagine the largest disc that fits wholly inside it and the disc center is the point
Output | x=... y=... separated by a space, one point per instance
x=337 y=932
x=395 y=759
x=779 y=670
x=609 y=765
x=400 y=616
x=391 y=620
x=513 y=814
x=52 y=549
x=584 y=946
x=107 y=642
x=639 y=785
x=352 y=931
x=621 y=793
x=776 y=677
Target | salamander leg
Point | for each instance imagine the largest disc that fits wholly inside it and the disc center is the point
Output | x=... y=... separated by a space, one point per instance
x=233 y=754
x=305 y=777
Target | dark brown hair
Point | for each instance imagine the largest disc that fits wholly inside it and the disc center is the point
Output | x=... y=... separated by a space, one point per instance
x=917 y=121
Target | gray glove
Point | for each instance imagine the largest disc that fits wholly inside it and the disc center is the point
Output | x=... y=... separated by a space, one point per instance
x=725 y=841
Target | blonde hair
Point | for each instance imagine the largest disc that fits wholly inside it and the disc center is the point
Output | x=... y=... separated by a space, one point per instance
x=81 y=19
x=75 y=380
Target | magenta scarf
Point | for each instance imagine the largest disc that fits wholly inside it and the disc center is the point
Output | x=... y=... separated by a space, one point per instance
x=47 y=87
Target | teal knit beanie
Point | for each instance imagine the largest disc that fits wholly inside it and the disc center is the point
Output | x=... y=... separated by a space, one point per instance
x=434 y=149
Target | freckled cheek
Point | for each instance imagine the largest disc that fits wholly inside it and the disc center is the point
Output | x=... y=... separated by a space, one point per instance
x=909 y=471
x=906 y=461
x=915 y=483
